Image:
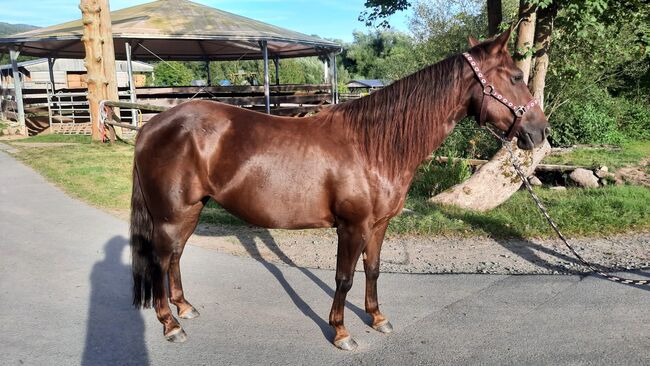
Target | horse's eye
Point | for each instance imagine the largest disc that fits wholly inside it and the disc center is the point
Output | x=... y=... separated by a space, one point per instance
x=517 y=78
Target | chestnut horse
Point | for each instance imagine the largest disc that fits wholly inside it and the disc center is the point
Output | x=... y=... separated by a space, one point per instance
x=348 y=167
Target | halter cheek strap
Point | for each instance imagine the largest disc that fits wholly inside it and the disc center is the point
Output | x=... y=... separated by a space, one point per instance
x=490 y=91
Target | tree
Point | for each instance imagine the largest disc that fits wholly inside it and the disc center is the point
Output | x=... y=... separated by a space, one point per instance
x=172 y=73
x=525 y=37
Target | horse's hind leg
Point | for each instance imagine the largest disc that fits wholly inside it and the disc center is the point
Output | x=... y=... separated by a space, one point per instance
x=351 y=243
x=169 y=237
x=185 y=309
x=371 y=256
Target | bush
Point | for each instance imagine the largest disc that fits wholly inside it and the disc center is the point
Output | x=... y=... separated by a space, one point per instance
x=634 y=118
x=469 y=141
x=590 y=120
x=433 y=178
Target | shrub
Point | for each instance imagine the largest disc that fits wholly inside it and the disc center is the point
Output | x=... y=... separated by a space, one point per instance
x=433 y=178
x=592 y=119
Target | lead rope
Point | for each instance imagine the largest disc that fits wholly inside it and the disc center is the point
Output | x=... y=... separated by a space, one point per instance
x=517 y=166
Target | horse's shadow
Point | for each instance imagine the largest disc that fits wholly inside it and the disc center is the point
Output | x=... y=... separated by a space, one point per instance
x=114 y=330
x=528 y=250
x=249 y=239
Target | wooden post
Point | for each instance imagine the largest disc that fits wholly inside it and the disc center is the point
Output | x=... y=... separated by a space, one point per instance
x=267 y=91
x=18 y=90
x=108 y=56
x=95 y=35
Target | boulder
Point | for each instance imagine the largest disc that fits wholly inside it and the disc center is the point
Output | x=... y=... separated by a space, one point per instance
x=534 y=181
x=602 y=172
x=584 y=178
x=558 y=188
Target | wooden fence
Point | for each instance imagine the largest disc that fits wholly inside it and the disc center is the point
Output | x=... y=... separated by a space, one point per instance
x=65 y=110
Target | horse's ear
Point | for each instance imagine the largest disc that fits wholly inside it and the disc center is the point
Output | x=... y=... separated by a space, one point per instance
x=501 y=42
x=472 y=41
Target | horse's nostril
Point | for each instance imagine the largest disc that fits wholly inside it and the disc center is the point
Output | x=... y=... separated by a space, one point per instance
x=547 y=132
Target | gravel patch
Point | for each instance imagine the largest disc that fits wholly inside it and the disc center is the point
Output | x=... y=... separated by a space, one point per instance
x=317 y=249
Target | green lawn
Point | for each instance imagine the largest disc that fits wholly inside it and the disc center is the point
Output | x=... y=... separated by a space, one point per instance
x=630 y=153
x=101 y=175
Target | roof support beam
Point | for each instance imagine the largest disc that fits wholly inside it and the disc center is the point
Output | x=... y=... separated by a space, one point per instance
x=129 y=71
x=333 y=77
x=267 y=91
x=50 y=68
x=18 y=89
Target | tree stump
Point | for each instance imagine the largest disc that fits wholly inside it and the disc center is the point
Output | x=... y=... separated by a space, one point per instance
x=494 y=182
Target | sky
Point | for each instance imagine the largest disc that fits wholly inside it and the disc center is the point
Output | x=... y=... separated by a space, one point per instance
x=326 y=18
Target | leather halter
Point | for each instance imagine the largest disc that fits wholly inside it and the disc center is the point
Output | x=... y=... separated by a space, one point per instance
x=489 y=90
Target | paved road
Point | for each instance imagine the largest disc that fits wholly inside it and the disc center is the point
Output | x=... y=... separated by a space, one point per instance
x=65 y=299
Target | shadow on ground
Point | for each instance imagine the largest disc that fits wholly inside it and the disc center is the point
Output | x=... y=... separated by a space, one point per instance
x=250 y=239
x=115 y=330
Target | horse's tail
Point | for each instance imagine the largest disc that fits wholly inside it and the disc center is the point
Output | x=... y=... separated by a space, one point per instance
x=147 y=273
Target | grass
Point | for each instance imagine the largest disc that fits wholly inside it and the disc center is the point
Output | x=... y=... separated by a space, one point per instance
x=631 y=153
x=100 y=174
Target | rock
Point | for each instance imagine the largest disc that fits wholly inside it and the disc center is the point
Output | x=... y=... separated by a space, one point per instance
x=602 y=172
x=534 y=181
x=584 y=178
x=558 y=188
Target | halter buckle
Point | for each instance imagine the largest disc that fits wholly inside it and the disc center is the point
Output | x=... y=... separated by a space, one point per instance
x=488 y=90
x=520 y=111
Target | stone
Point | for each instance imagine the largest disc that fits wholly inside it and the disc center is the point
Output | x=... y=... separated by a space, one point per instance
x=602 y=172
x=584 y=178
x=534 y=181
x=558 y=188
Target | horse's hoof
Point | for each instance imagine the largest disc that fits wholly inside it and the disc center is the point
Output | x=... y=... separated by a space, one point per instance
x=189 y=314
x=346 y=344
x=177 y=335
x=385 y=327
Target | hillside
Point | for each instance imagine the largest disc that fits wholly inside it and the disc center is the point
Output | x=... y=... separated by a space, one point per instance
x=7 y=29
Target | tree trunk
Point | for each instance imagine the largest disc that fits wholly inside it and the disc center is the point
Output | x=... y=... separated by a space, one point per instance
x=525 y=37
x=543 y=31
x=495 y=16
x=95 y=35
x=108 y=57
x=494 y=182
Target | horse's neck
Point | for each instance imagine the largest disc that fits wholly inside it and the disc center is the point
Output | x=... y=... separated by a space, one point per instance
x=404 y=123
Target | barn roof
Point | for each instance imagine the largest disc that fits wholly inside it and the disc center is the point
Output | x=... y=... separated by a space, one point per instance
x=75 y=65
x=174 y=30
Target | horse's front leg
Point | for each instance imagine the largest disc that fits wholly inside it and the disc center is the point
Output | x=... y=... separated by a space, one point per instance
x=371 y=255
x=352 y=239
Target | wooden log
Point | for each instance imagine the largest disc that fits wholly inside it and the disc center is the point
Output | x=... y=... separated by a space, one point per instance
x=539 y=167
x=233 y=89
x=141 y=106
x=123 y=125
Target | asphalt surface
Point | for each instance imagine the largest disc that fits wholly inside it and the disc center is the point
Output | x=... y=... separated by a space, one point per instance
x=65 y=299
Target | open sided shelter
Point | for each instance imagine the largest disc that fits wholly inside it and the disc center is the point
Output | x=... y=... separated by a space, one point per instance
x=177 y=30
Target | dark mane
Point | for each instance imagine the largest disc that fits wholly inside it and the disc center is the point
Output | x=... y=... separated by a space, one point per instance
x=400 y=125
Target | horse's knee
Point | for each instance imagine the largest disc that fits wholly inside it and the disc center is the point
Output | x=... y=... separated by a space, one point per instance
x=344 y=284
x=372 y=273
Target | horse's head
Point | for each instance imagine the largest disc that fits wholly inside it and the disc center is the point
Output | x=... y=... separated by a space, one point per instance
x=500 y=96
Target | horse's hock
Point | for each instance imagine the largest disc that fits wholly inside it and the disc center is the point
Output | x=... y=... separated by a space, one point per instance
x=494 y=182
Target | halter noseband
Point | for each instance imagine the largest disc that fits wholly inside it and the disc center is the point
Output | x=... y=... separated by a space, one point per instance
x=489 y=90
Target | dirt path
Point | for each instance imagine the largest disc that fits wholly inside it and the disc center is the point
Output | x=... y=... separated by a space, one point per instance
x=317 y=249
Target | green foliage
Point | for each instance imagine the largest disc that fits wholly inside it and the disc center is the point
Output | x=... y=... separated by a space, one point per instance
x=384 y=55
x=591 y=120
x=172 y=73
x=433 y=178
x=380 y=10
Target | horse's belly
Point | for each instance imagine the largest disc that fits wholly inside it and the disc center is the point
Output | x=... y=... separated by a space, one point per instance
x=280 y=201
